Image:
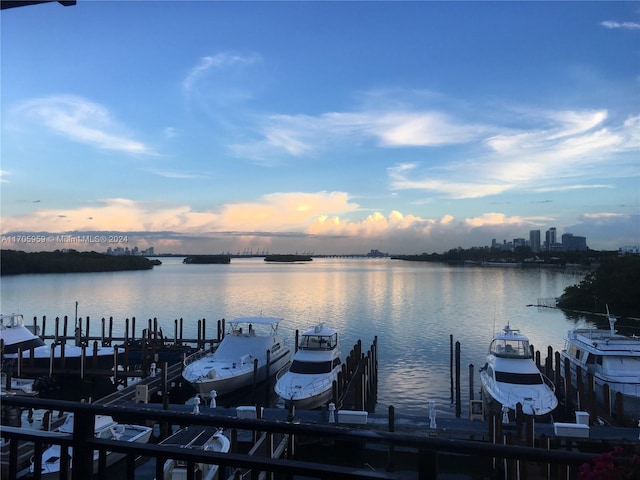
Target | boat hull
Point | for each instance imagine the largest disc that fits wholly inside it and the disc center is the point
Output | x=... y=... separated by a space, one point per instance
x=51 y=468
x=310 y=402
x=242 y=378
x=629 y=391
x=495 y=398
x=245 y=357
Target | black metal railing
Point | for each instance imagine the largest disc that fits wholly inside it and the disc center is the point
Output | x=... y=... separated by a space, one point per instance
x=427 y=449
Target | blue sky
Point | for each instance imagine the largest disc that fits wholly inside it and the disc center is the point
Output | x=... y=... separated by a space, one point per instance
x=325 y=127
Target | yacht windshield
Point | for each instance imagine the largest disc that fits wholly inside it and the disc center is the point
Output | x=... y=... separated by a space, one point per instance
x=310 y=367
x=510 y=348
x=519 y=378
x=318 y=342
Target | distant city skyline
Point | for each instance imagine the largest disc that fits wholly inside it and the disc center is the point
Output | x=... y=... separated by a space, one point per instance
x=405 y=127
x=570 y=242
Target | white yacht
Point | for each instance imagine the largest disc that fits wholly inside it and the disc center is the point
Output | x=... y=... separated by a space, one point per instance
x=309 y=381
x=105 y=428
x=230 y=366
x=613 y=359
x=16 y=336
x=195 y=437
x=510 y=376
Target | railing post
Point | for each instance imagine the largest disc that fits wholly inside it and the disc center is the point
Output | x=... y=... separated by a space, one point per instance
x=391 y=455
x=428 y=464
x=83 y=431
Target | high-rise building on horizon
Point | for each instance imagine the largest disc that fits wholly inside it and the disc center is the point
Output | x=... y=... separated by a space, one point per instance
x=550 y=239
x=534 y=240
x=572 y=243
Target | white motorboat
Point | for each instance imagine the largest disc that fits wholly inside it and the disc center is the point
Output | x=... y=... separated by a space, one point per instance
x=17 y=386
x=309 y=381
x=510 y=376
x=612 y=358
x=243 y=350
x=196 y=437
x=105 y=428
x=17 y=337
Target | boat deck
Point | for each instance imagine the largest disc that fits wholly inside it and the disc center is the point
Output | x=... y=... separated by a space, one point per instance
x=195 y=436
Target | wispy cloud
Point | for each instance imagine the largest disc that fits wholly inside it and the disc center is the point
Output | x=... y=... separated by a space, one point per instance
x=306 y=135
x=624 y=25
x=402 y=177
x=576 y=149
x=565 y=188
x=219 y=61
x=82 y=121
x=3 y=174
x=177 y=174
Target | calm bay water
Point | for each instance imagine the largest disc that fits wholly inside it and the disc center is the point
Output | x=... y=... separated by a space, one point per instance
x=412 y=308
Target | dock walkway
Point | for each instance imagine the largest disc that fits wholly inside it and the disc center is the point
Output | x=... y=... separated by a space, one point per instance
x=149 y=385
x=447 y=428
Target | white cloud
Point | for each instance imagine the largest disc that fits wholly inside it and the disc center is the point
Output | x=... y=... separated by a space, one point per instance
x=324 y=222
x=564 y=188
x=421 y=129
x=3 y=174
x=82 y=121
x=623 y=25
x=291 y=211
x=175 y=174
x=494 y=218
x=574 y=150
x=306 y=135
x=401 y=177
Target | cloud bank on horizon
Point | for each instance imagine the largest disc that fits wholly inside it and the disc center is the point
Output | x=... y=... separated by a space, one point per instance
x=317 y=127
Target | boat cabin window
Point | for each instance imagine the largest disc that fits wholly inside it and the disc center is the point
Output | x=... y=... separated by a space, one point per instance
x=519 y=378
x=620 y=365
x=311 y=367
x=575 y=352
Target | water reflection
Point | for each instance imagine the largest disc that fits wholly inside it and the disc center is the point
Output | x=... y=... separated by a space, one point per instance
x=415 y=309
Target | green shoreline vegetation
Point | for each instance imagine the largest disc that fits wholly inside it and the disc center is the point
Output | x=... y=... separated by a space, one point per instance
x=614 y=284
x=15 y=262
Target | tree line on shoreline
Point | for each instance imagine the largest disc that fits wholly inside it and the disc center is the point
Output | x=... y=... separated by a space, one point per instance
x=15 y=262
x=522 y=255
x=614 y=284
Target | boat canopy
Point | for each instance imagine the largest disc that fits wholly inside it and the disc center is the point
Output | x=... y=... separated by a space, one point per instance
x=257 y=320
x=236 y=329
